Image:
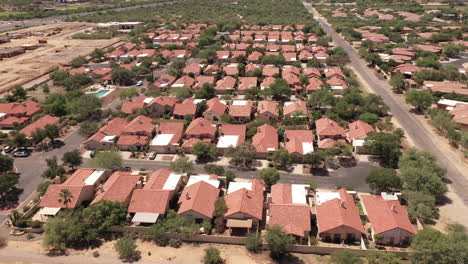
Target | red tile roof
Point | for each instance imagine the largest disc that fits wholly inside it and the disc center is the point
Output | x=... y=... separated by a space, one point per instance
x=184 y=81
x=200 y=126
x=194 y=68
x=327 y=127
x=294 y=219
x=246 y=202
x=140 y=124
x=40 y=123
x=246 y=83
x=265 y=139
x=270 y=70
x=298 y=106
x=281 y=193
x=227 y=83
x=339 y=212
x=129 y=106
x=359 y=130
x=330 y=72
x=337 y=81
x=118 y=187
x=112 y=128
x=13 y=120
x=234 y=130
x=294 y=140
x=187 y=107
x=78 y=193
x=149 y=201
x=241 y=110
x=28 y=108
x=231 y=70
x=132 y=140
x=386 y=215
x=314 y=84
x=201 y=80
x=199 y=197
x=268 y=106
x=177 y=129
x=165 y=101
x=215 y=105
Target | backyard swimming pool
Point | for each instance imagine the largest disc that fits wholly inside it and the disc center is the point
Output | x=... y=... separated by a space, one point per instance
x=101 y=93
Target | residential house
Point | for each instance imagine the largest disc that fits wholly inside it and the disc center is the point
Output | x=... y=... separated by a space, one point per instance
x=40 y=124
x=327 y=128
x=298 y=143
x=168 y=138
x=446 y=87
x=389 y=221
x=230 y=136
x=202 y=129
x=184 y=81
x=187 y=108
x=13 y=114
x=215 y=109
x=163 y=82
x=225 y=85
x=460 y=115
x=267 y=110
x=162 y=105
x=151 y=202
x=118 y=188
x=107 y=135
x=82 y=185
x=244 y=200
x=197 y=201
x=193 y=68
x=265 y=141
x=246 y=83
x=202 y=80
x=128 y=107
x=136 y=134
x=298 y=107
x=241 y=110
x=289 y=210
x=338 y=217
x=358 y=131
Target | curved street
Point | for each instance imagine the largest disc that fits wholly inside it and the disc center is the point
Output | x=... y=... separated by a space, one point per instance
x=415 y=126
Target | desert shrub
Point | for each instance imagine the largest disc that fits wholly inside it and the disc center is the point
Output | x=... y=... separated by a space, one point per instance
x=175 y=243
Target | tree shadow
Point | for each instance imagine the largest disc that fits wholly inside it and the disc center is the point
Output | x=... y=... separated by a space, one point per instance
x=320 y=172
x=11 y=199
x=290 y=259
x=444 y=200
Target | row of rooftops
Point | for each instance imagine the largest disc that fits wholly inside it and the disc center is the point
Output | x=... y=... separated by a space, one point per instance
x=148 y=197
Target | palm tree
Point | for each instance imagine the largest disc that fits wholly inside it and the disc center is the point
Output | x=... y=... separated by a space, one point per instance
x=65 y=197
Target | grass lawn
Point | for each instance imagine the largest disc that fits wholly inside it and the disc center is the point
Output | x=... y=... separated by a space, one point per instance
x=76 y=7
x=5 y=14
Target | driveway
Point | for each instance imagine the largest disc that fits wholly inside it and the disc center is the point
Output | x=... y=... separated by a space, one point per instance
x=415 y=126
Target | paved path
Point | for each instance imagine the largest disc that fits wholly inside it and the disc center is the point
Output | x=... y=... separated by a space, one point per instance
x=414 y=126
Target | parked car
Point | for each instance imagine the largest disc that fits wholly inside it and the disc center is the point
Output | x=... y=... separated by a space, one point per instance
x=92 y=154
x=152 y=156
x=126 y=168
x=139 y=83
x=8 y=149
x=22 y=153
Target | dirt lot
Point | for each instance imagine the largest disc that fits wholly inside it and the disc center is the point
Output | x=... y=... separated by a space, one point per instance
x=33 y=252
x=20 y=69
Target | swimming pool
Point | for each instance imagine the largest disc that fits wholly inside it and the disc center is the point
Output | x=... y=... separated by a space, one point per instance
x=101 y=93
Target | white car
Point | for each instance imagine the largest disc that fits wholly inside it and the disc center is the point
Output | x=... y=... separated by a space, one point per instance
x=139 y=83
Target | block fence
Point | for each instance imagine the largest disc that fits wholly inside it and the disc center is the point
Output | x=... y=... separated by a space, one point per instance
x=319 y=250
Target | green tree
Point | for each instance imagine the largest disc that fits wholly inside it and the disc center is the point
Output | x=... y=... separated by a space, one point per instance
x=277 y=241
x=65 y=197
x=16 y=94
x=72 y=158
x=281 y=158
x=204 y=152
x=212 y=256
x=242 y=155
x=230 y=176
x=122 y=76
x=52 y=132
x=206 y=92
x=420 y=172
x=6 y=163
x=53 y=169
x=321 y=98
x=42 y=188
x=451 y=50
x=214 y=169
x=315 y=159
x=220 y=207
x=432 y=246
x=97 y=53
x=384 y=180
x=88 y=128
x=379 y=257
x=85 y=107
x=107 y=160
x=78 y=62
x=278 y=90
x=129 y=93
x=127 y=249
x=384 y=145
x=182 y=92
x=253 y=243
x=345 y=256
x=369 y=118
x=7 y=181
x=56 y=104
x=421 y=206
x=419 y=99
x=397 y=82
x=182 y=165
x=270 y=176
x=19 y=140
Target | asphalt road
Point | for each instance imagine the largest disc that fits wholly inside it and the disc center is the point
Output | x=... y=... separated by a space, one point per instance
x=412 y=124
x=10 y=25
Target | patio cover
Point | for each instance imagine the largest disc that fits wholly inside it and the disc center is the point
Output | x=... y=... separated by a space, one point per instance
x=49 y=210
x=150 y=218
x=236 y=223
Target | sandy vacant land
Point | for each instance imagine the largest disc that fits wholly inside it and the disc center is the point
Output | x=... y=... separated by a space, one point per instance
x=33 y=252
x=20 y=69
